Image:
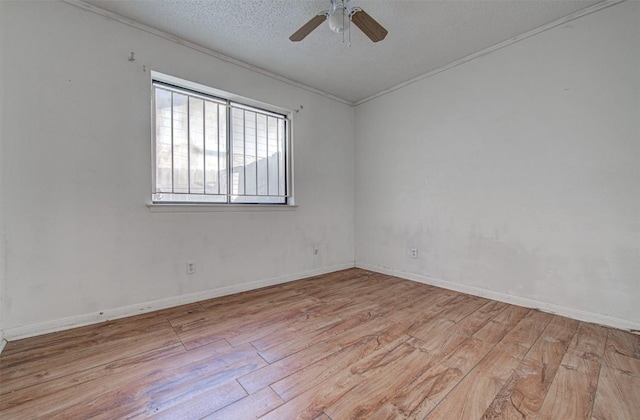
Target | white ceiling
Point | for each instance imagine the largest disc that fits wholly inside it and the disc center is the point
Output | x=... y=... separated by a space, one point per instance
x=424 y=35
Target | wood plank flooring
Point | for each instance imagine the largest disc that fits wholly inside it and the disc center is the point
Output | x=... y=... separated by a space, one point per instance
x=348 y=345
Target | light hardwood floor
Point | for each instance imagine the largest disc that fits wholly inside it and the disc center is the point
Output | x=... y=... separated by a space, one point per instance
x=351 y=344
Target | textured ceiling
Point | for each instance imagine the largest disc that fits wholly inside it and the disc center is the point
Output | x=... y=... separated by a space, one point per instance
x=423 y=35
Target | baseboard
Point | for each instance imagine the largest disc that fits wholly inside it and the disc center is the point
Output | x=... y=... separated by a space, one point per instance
x=573 y=313
x=3 y=342
x=32 y=330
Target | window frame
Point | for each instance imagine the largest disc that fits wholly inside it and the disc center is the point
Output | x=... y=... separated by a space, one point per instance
x=230 y=101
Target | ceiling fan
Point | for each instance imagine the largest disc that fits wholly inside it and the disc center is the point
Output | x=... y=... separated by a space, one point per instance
x=339 y=18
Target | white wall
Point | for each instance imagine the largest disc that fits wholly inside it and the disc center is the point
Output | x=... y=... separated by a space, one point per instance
x=516 y=175
x=76 y=166
x=2 y=253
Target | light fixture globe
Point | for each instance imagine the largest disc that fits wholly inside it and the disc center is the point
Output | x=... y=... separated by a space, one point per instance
x=338 y=20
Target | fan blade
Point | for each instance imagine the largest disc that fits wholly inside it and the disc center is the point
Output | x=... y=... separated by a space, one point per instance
x=369 y=26
x=308 y=27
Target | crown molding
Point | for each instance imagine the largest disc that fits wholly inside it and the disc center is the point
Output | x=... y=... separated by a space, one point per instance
x=197 y=47
x=558 y=22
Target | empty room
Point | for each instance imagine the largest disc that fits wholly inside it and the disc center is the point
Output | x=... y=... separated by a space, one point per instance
x=320 y=209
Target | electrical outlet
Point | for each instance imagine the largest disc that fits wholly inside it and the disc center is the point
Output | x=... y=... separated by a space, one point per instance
x=191 y=267
x=413 y=253
x=316 y=250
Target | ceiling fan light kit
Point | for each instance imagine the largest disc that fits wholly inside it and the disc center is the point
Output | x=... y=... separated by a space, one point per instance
x=339 y=18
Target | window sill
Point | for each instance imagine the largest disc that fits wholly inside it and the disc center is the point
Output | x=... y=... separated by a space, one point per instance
x=205 y=208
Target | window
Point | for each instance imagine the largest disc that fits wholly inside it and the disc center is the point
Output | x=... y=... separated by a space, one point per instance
x=209 y=149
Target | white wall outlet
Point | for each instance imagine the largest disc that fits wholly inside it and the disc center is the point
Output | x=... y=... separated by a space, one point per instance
x=413 y=253
x=191 y=267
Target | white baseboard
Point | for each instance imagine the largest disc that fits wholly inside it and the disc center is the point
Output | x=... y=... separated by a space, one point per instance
x=573 y=313
x=32 y=330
